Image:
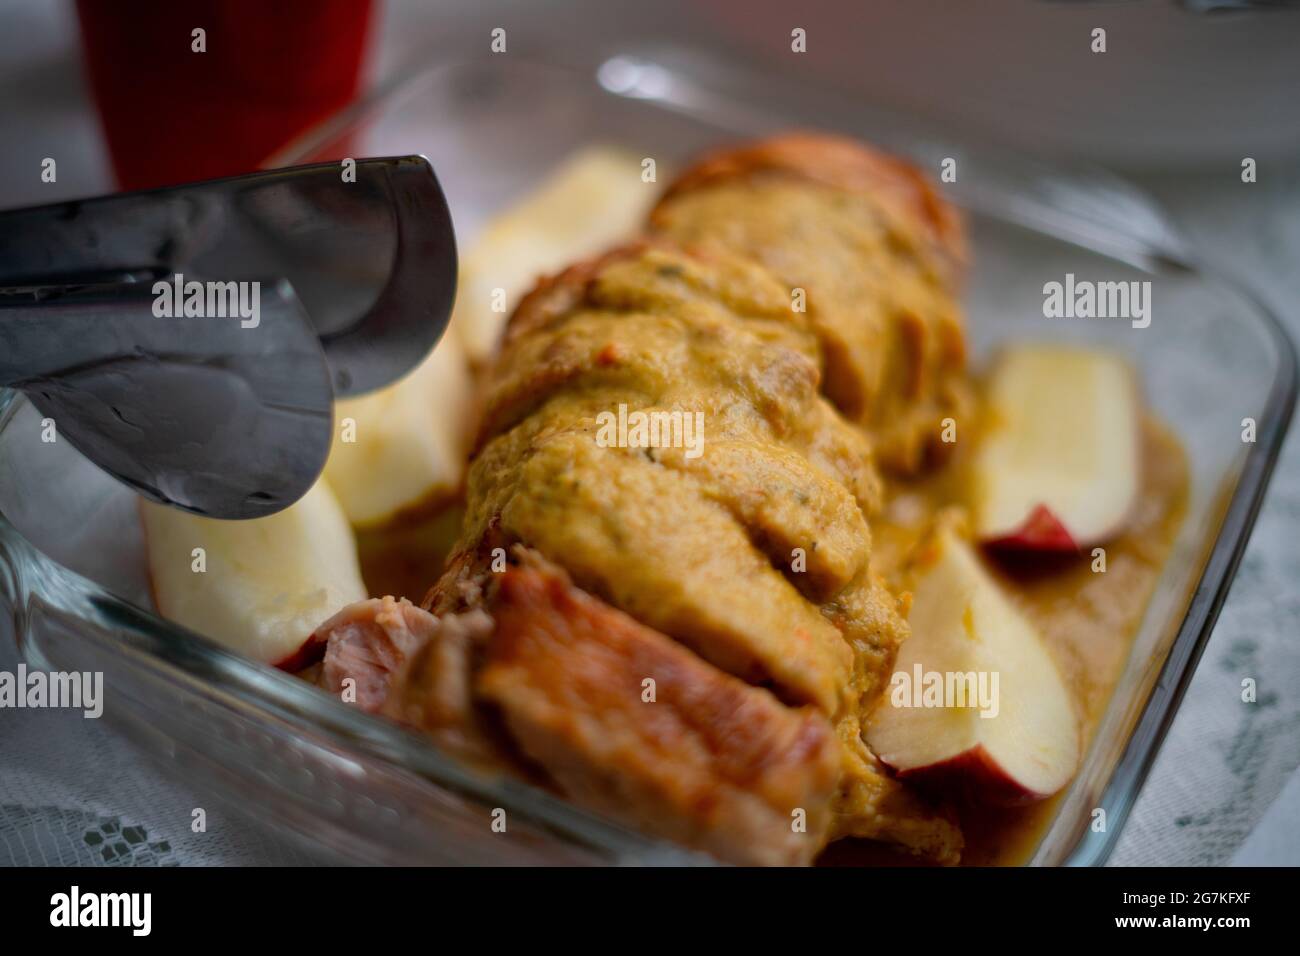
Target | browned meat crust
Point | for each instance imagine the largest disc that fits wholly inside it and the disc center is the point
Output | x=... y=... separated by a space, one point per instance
x=840 y=163
x=631 y=724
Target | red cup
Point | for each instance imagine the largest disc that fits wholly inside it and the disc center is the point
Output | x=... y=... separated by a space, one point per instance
x=269 y=71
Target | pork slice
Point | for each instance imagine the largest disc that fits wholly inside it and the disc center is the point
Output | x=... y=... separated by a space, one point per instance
x=433 y=692
x=413 y=667
x=369 y=642
x=633 y=725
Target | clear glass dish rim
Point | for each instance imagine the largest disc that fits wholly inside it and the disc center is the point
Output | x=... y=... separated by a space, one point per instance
x=25 y=571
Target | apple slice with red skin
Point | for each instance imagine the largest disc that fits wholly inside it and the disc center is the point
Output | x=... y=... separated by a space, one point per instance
x=1027 y=747
x=1059 y=465
x=266 y=584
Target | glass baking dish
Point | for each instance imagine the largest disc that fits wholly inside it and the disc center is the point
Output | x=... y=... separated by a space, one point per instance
x=75 y=596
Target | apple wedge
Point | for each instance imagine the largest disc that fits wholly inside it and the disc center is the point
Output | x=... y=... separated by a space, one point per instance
x=976 y=703
x=401 y=450
x=259 y=587
x=595 y=199
x=1059 y=463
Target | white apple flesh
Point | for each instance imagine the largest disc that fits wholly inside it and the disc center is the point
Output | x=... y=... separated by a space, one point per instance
x=404 y=455
x=401 y=450
x=258 y=587
x=596 y=199
x=1020 y=746
x=1058 y=466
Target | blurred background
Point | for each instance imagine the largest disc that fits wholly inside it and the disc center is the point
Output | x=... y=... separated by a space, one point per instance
x=1183 y=92
x=1182 y=85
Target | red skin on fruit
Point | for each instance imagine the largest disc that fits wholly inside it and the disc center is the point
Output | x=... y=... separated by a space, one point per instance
x=975 y=775
x=1040 y=532
x=309 y=653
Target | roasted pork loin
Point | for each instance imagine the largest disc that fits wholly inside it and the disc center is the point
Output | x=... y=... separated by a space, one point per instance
x=733 y=574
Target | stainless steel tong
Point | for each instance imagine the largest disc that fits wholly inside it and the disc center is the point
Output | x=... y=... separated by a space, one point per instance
x=190 y=340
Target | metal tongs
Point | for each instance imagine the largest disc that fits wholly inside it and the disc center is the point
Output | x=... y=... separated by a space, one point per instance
x=190 y=340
